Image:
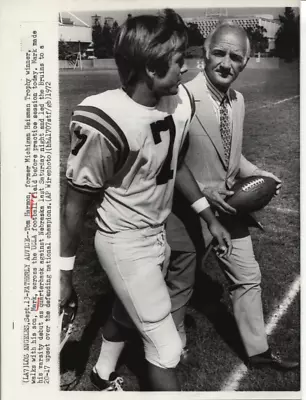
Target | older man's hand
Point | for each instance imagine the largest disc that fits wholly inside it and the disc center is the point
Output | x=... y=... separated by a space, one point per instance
x=215 y=198
x=262 y=172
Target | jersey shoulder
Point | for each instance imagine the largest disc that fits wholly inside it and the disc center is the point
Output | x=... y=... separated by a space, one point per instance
x=99 y=148
x=107 y=99
x=97 y=116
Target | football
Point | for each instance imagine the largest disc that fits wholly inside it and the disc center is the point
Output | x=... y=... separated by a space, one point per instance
x=252 y=193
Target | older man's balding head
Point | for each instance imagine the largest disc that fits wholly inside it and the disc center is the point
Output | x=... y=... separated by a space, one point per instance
x=226 y=53
x=228 y=28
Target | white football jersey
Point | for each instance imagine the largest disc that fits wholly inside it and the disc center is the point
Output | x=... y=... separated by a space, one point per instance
x=129 y=152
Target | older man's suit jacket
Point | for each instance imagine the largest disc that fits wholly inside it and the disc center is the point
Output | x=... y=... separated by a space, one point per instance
x=205 y=158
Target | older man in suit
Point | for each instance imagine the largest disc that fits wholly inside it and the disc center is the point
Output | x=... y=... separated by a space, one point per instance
x=215 y=158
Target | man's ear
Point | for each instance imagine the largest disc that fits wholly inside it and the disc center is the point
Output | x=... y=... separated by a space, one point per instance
x=245 y=64
x=150 y=72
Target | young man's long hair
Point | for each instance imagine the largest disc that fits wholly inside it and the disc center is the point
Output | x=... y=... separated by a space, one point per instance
x=148 y=41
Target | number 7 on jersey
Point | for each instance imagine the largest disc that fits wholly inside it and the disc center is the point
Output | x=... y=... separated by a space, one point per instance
x=157 y=127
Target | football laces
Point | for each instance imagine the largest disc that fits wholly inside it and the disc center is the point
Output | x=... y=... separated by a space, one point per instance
x=252 y=184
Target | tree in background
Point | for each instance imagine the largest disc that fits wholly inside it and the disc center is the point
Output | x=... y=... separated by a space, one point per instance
x=114 y=30
x=259 y=42
x=103 y=38
x=96 y=33
x=64 y=50
x=195 y=37
x=106 y=49
x=287 y=42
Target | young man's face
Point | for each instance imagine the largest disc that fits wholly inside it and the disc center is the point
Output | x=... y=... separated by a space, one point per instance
x=226 y=58
x=168 y=84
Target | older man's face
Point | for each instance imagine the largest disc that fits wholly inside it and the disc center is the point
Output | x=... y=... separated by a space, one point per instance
x=226 y=58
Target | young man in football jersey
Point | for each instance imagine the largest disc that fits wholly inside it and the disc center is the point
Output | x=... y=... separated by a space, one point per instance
x=126 y=147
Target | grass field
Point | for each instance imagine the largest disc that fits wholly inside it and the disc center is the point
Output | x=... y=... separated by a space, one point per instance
x=271 y=140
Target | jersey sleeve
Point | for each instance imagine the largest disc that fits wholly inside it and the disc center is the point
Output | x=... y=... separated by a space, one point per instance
x=98 y=149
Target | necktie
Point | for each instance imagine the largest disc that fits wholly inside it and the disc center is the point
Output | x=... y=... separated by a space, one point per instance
x=225 y=130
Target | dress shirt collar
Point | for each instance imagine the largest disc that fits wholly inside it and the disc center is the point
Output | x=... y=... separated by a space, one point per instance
x=215 y=93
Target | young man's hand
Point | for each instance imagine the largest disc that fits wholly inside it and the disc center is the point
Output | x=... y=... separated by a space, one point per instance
x=222 y=239
x=215 y=198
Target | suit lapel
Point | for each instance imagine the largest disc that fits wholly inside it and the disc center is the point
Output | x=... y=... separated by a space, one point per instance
x=206 y=115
